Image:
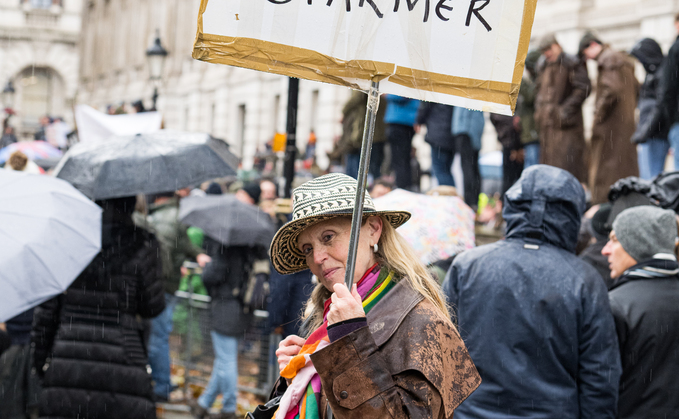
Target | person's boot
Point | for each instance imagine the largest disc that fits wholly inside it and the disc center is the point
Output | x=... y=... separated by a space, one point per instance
x=223 y=415
x=198 y=411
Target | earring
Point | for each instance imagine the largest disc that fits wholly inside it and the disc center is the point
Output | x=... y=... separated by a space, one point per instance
x=375 y=248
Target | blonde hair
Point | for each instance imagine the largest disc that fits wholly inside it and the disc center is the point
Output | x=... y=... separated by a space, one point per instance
x=395 y=255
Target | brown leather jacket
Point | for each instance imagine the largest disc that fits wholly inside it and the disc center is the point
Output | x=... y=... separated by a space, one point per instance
x=562 y=86
x=408 y=363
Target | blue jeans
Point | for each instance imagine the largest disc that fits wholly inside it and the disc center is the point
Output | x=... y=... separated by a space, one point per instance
x=159 y=347
x=400 y=138
x=441 y=165
x=651 y=155
x=674 y=143
x=352 y=162
x=531 y=155
x=224 y=378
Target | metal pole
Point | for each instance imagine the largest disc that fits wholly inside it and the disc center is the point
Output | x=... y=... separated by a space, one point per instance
x=155 y=97
x=291 y=143
x=366 y=148
x=189 y=337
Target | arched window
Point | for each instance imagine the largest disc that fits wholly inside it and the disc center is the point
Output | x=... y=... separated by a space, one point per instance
x=41 y=93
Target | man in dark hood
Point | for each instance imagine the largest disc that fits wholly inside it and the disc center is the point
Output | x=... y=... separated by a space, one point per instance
x=669 y=96
x=651 y=132
x=535 y=318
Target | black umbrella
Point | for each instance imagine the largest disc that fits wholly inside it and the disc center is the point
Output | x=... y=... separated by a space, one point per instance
x=227 y=220
x=145 y=163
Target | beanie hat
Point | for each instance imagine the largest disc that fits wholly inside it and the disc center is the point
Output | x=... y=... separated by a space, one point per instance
x=646 y=231
x=253 y=190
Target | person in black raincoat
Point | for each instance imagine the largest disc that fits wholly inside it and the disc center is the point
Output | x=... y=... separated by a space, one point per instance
x=536 y=319
x=651 y=133
x=644 y=296
x=669 y=96
x=88 y=342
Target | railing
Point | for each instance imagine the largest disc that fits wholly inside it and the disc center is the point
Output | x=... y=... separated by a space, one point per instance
x=192 y=354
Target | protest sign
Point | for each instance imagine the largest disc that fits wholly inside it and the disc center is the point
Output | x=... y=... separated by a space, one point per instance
x=462 y=52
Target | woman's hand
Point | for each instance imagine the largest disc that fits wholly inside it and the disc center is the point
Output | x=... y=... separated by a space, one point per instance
x=287 y=349
x=345 y=305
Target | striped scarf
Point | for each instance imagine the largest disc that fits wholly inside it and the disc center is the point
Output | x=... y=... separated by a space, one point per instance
x=302 y=397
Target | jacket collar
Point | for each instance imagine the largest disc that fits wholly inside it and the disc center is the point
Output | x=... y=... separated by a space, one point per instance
x=662 y=266
x=390 y=311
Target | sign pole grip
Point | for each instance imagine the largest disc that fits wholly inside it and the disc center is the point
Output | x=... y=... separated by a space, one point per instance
x=366 y=148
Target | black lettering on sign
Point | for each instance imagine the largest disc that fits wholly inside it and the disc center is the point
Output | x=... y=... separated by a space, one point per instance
x=476 y=13
x=411 y=6
x=329 y=3
x=475 y=7
x=373 y=5
x=440 y=6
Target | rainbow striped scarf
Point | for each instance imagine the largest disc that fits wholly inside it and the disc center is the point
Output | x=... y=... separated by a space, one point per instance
x=302 y=398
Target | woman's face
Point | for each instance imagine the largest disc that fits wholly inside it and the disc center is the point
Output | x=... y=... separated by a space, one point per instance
x=326 y=246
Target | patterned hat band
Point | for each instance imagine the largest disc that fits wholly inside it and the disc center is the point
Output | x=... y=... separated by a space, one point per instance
x=320 y=199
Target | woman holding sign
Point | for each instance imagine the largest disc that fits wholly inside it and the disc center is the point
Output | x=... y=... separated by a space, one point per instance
x=385 y=348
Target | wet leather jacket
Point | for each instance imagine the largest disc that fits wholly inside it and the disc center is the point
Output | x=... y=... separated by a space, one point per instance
x=407 y=363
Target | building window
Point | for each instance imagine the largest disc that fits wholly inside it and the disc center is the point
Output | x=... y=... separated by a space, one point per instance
x=42 y=4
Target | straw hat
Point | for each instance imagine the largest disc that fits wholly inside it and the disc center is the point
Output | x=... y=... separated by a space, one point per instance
x=318 y=200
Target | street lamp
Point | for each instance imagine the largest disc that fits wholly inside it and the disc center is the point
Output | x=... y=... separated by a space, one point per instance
x=8 y=95
x=156 y=55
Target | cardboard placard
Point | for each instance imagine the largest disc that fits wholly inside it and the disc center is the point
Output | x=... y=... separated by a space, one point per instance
x=466 y=53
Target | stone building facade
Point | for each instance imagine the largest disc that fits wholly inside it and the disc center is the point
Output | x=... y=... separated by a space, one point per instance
x=39 y=55
x=246 y=107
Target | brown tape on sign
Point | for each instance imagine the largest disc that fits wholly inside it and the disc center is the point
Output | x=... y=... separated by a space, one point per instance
x=292 y=61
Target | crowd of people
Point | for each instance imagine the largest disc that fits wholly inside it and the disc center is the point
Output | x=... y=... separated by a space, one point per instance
x=571 y=315
x=548 y=126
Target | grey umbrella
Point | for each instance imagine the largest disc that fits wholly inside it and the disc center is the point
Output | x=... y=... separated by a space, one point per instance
x=49 y=233
x=228 y=220
x=145 y=163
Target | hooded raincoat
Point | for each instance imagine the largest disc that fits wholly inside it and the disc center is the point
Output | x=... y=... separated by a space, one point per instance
x=535 y=318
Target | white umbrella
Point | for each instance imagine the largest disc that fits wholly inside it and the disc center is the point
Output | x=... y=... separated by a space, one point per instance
x=49 y=233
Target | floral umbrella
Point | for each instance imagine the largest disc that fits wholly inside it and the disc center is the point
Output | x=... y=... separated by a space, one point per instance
x=34 y=150
x=440 y=227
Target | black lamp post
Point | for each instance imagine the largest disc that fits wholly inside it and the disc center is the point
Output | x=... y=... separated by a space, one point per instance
x=8 y=95
x=156 y=55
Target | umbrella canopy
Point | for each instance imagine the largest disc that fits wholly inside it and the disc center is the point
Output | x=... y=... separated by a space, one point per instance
x=440 y=226
x=145 y=163
x=34 y=150
x=49 y=232
x=228 y=220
